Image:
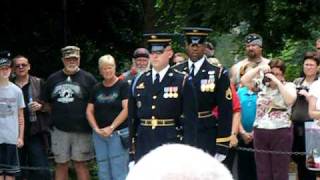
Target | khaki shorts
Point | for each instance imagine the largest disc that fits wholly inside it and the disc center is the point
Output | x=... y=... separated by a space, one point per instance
x=74 y=146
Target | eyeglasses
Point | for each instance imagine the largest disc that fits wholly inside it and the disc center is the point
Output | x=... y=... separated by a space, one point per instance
x=21 y=65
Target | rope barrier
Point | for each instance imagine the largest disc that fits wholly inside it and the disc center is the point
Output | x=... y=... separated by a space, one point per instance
x=39 y=168
x=263 y=151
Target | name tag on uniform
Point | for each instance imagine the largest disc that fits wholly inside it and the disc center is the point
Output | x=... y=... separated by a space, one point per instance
x=170 y=92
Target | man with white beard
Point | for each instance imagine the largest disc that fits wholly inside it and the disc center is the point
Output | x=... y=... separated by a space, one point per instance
x=67 y=91
x=140 y=64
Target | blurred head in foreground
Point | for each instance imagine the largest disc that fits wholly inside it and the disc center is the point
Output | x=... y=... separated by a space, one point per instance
x=178 y=162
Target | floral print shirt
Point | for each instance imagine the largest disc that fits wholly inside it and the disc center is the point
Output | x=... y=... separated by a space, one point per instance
x=272 y=111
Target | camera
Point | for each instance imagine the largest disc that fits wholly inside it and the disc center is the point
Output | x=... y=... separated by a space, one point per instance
x=299 y=88
x=266 y=80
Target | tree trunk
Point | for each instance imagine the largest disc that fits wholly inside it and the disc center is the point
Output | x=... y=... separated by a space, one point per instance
x=149 y=15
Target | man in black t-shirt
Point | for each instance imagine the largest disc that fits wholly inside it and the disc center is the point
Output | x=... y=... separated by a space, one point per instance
x=67 y=91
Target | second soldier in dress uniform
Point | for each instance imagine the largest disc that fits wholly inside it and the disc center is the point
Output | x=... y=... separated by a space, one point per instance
x=212 y=89
x=157 y=100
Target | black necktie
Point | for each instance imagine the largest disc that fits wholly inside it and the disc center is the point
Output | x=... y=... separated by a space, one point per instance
x=192 y=71
x=157 y=80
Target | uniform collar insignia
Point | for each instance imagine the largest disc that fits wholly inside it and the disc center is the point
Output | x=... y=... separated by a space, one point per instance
x=148 y=74
x=140 y=86
x=170 y=74
x=211 y=72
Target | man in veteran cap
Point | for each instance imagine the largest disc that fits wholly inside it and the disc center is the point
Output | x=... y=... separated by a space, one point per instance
x=157 y=100
x=212 y=88
x=67 y=92
x=253 y=45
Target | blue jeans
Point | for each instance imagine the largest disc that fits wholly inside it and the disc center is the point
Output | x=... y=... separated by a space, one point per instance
x=112 y=158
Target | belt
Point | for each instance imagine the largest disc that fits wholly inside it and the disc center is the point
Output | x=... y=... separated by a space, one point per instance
x=157 y=122
x=223 y=139
x=204 y=114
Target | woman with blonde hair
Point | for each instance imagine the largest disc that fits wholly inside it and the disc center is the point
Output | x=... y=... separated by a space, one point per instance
x=107 y=113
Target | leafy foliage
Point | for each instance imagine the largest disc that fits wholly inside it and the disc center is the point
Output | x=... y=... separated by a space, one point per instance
x=39 y=29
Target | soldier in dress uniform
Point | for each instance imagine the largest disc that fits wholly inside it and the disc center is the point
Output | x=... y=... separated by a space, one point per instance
x=212 y=87
x=157 y=100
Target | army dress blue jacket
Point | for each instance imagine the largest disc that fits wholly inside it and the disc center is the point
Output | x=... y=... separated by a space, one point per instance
x=174 y=97
x=212 y=86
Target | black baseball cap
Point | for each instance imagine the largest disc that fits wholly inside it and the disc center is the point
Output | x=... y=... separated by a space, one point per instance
x=5 y=58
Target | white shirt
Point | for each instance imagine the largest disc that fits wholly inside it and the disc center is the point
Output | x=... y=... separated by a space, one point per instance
x=11 y=100
x=197 y=65
x=161 y=73
x=314 y=91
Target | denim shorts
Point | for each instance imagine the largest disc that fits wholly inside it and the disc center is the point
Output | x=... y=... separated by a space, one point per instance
x=74 y=146
x=9 y=162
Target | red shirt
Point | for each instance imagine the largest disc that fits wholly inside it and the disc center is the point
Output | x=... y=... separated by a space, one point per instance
x=235 y=102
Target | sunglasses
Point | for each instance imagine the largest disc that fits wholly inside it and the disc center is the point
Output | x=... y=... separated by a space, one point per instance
x=21 y=65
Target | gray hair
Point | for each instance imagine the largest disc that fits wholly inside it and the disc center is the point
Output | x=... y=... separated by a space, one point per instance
x=178 y=162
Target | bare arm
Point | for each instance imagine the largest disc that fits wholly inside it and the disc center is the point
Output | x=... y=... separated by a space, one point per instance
x=235 y=129
x=122 y=116
x=21 y=128
x=91 y=118
x=246 y=79
x=287 y=91
x=313 y=112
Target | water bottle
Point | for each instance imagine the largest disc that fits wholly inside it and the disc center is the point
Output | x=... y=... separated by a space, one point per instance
x=32 y=114
x=316 y=156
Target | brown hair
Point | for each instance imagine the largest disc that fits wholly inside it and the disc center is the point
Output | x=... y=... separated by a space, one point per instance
x=278 y=63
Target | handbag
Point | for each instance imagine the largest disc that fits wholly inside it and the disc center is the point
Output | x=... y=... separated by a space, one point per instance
x=124 y=138
x=300 y=109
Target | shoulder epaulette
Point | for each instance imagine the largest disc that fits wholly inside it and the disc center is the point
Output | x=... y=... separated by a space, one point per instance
x=179 y=72
x=220 y=72
x=179 y=64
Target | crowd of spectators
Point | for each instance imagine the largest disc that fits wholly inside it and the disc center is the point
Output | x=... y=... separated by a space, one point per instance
x=79 y=119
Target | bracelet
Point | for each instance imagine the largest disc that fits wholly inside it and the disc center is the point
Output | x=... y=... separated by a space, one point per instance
x=111 y=127
x=243 y=132
x=96 y=129
x=234 y=134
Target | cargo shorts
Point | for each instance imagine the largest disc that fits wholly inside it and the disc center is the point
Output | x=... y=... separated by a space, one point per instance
x=74 y=146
